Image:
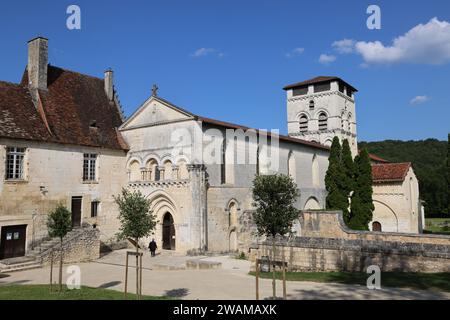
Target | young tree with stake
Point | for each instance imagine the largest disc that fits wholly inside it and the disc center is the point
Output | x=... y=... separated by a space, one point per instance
x=274 y=197
x=136 y=220
x=59 y=223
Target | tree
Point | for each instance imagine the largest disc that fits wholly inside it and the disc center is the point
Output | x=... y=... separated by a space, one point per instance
x=274 y=197
x=361 y=203
x=59 y=223
x=335 y=180
x=448 y=175
x=136 y=220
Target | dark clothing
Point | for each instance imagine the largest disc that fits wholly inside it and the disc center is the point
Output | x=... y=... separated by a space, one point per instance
x=152 y=246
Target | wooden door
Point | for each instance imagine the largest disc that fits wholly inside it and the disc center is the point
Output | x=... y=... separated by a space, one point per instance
x=76 y=212
x=12 y=241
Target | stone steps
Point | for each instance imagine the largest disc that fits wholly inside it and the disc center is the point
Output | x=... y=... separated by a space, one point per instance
x=33 y=258
x=4 y=268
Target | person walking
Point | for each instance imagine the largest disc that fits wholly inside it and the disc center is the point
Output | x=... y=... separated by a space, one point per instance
x=152 y=246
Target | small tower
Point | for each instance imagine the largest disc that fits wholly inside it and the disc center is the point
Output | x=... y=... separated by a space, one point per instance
x=321 y=108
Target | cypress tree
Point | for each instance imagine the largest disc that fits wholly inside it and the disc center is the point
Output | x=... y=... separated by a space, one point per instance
x=348 y=176
x=362 y=204
x=336 y=199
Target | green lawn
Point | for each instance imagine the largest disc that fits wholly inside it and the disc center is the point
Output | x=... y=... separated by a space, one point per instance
x=425 y=281
x=42 y=292
x=437 y=225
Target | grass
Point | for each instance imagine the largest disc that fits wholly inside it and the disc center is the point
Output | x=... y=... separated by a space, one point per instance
x=423 y=281
x=437 y=226
x=42 y=292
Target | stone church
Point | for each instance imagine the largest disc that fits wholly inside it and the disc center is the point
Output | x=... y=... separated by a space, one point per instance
x=64 y=139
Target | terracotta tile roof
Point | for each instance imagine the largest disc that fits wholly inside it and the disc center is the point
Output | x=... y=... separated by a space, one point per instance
x=71 y=104
x=281 y=137
x=390 y=172
x=316 y=80
x=377 y=158
x=18 y=117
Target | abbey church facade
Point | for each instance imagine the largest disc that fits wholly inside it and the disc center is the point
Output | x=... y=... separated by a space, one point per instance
x=63 y=139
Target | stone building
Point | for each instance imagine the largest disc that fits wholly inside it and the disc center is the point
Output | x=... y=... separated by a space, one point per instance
x=58 y=144
x=396 y=199
x=190 y=170
x=63 y=140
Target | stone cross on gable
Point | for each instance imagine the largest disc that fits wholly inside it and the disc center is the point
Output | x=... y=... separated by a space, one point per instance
x=154 y=90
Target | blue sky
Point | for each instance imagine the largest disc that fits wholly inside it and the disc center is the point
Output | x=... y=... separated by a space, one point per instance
x=230 y=59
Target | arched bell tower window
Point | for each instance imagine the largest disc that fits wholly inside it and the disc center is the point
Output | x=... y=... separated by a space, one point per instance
x=323 y=119
x=303 y=123
x=311 y=104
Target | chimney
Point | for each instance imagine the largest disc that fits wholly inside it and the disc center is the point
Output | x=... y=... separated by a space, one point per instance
x=37 y=63
x=109 y=84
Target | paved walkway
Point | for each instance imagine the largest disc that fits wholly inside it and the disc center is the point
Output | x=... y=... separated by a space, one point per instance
x=229 y=282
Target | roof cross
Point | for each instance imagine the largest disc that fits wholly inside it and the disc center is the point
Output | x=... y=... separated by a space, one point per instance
x=154 y=90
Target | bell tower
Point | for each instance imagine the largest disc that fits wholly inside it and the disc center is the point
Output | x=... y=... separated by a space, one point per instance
x=321 y=108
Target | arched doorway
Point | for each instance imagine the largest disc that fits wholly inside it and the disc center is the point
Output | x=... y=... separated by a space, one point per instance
x=376 y=226
x=168 y=234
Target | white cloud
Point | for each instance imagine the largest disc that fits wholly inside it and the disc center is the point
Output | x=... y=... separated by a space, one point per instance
x=419 y=100
x=201 y=52
x=326 y=59
x=424 y=44
x=295 y=52
x=344 y=46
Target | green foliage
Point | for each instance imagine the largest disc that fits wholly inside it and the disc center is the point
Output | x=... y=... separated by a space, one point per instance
x=362 y=204
x=429 y=159
x=448 y=174
x=336 y=182
x=135 y=217
x=274 y=197
x=59 y=222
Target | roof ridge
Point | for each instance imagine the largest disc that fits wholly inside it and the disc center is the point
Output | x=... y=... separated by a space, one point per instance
x=76 y=72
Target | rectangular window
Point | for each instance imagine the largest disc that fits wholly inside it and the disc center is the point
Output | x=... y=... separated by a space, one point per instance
x=322 y=87
x=14 y=163
x=300 y=91
x=89 y=167
x=94 y=208
x=349 y=92
x=341 y=87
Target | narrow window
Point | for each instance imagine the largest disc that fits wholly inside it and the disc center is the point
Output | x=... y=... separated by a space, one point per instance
x=94 y=208
x=322 y=121
x=223 y=164
x=300 y=91
x=89 y=167
x=322 y=87
x=303 y=123
x=14 y=163
x=311 y=105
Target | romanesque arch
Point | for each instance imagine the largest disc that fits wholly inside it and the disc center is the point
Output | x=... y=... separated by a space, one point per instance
x=312 y=204
x=386 y=216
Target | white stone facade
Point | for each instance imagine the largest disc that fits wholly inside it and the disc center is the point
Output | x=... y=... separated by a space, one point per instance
x=397 y=205
x=53 y=174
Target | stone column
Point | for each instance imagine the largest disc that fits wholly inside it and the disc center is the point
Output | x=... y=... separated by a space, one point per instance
x=199 y=186
x=161 y=170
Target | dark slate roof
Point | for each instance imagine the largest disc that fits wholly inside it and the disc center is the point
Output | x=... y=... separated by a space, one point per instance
x=68 y=108
x=317 y=80
x=390 y=172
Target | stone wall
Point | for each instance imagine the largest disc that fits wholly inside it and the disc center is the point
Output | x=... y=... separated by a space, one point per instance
x=326 y=244
x=79 y=246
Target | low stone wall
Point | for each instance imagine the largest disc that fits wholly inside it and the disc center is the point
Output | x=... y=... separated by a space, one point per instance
x=82 y=246
x=326 y=244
